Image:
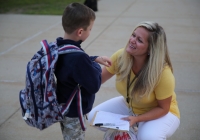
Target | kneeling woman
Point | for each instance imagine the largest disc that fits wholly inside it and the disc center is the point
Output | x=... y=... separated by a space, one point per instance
x=144 y=78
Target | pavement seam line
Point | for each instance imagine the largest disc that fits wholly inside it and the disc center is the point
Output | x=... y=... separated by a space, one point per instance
x=9 y=117
x=110 y=24
x=29 y=38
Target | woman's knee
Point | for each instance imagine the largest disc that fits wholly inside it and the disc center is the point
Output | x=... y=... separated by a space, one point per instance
x=114 y=105
x=150 y=136
x=90 y=115
x=150 y=131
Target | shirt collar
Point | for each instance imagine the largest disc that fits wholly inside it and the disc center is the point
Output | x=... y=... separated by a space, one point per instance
x=60 y=41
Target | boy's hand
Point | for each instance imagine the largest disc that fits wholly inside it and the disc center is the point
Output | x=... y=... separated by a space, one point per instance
x=104 y=60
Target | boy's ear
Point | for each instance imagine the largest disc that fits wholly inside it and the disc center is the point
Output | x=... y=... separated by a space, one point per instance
x=79 y=32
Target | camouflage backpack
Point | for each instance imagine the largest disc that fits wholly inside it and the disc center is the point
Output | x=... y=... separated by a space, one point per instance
x=38 y=100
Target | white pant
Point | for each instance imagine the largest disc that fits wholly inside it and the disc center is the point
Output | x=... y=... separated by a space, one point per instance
x=159 y=129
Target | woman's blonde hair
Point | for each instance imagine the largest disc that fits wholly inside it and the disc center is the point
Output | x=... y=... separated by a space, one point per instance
x=157 y=58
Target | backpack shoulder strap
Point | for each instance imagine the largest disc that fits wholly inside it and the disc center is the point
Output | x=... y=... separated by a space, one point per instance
x=69 y=49
x=48 y=47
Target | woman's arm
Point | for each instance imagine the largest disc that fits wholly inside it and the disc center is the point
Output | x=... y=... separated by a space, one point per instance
x=105 y=75
x=157 y=112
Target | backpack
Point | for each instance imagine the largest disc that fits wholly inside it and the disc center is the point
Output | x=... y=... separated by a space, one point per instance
x=38 y=100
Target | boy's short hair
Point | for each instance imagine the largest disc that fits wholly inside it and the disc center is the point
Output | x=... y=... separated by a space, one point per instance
x=77 y=15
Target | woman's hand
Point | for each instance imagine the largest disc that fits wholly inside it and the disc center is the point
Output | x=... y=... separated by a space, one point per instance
x=132 y=120
x=104 y=60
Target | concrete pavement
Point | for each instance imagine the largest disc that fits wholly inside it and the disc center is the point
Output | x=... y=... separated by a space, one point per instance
x=20 y=36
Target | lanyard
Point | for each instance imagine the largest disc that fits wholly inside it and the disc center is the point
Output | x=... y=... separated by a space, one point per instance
x=128 y=85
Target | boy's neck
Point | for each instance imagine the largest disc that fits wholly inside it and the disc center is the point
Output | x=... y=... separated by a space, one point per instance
x=70 y=37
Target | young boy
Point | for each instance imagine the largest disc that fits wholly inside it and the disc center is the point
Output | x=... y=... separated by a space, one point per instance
x=77 y=68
